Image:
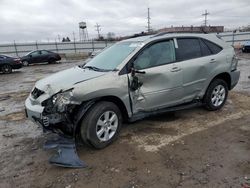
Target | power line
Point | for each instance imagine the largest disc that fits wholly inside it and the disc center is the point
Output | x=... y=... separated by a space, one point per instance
x=205 y=17
x=98 y=29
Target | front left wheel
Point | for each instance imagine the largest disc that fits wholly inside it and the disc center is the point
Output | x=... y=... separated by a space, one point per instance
x=101 y=125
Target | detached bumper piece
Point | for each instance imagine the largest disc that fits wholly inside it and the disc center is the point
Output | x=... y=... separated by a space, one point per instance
x=66 y=155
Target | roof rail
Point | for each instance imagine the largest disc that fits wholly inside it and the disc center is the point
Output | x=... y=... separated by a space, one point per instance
x=170 y=32
x=162 y=33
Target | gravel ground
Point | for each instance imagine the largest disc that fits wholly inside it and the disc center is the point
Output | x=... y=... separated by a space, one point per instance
x=190 y=148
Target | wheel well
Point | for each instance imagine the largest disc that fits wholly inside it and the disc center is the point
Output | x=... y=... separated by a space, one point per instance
x=119 y=104
x=226 y=77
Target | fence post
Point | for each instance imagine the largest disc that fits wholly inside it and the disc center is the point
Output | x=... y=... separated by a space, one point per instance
x=56 y=46
x=15 y=48
x=36 y=45
x=75 y=45
x=93 y=45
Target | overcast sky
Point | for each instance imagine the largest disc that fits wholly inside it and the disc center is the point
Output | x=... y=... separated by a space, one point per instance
x=29 y=20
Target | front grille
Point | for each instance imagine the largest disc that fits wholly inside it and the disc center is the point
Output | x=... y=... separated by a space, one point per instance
x=36 y=93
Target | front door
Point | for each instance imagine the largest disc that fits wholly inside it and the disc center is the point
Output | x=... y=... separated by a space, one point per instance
x=35 y=57
x=161 y=83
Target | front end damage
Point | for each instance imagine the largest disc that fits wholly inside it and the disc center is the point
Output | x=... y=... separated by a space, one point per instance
x=59 y=113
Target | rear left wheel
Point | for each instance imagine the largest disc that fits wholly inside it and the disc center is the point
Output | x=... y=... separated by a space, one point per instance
x=101 y=125
x=7 y=69
x=216 y=95
x=51 y=60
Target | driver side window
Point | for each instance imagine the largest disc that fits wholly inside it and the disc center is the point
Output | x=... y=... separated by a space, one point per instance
x=36 y=53
x=155 y=55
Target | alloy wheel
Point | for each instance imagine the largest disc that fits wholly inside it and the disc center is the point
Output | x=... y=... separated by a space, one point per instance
x=106 y=126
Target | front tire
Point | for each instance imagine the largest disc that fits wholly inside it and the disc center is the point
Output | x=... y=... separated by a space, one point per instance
x=25 y=63
x=216 y=95
x=101 y=125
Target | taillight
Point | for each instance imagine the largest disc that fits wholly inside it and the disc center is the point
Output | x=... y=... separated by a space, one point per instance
x=234 y=63
x=17 y=60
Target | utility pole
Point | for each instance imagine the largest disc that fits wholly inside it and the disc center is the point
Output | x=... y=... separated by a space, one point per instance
x=59 y=38
x=98 y=29
x=205 y=16
x=149 y=27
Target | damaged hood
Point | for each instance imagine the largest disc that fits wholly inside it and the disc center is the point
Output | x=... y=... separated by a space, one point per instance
x=66 y=79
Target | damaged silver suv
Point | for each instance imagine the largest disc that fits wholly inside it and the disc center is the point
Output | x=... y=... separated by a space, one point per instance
x=131 y=80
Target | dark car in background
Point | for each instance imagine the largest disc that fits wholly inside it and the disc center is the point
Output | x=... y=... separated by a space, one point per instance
x=246 y=47
x=7 y=64
x=40 y=56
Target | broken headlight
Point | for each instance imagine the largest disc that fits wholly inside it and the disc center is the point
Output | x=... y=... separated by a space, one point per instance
x=61 y=100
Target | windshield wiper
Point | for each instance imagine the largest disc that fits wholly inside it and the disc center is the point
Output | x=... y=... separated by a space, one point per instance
x=95 y=68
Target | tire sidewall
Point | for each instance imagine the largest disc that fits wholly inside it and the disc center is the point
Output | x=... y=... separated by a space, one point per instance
x=209 y=92
x=91 y=120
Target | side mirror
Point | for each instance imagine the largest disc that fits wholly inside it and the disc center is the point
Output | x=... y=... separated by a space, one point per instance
x=30 y=55
x=134 y=71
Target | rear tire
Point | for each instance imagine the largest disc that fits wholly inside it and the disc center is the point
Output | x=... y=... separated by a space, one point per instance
x=51 y=60
x=7 y=69
x=101 y=125
x=25 y=63
x=216 y=95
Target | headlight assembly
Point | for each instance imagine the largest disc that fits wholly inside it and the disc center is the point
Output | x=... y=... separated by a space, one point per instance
x=60 y=100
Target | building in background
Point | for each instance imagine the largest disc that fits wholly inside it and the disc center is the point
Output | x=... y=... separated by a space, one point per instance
x=194 y=29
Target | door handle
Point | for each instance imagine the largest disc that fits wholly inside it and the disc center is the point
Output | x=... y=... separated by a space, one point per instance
x=175 y=69
x=212 y=61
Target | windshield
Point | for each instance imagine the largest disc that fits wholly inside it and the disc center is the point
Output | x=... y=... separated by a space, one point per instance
x=113 y=56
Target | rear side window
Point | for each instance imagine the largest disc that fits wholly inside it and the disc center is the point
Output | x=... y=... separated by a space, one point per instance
x=205 y=51
x=215 y=49
x=188 y=48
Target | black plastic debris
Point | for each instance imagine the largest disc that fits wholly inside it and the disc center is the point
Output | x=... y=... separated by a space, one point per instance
x=66 y=155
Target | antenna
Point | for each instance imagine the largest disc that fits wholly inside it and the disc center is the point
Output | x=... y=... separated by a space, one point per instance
x=205 y=17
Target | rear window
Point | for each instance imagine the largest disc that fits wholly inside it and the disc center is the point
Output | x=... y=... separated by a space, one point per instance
x=215 y=49
x=188 y=48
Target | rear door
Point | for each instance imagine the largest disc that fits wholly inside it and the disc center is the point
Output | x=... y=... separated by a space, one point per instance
x=162 y=81
x=44 y=56
x=197 y=62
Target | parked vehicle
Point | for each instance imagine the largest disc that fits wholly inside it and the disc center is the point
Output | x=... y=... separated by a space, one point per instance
x=7 y=63
x=94 y=53
x=40 y=56
x=131 y=80
x=246 y=47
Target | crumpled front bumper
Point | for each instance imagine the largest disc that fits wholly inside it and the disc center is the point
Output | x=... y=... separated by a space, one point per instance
x=34 y=111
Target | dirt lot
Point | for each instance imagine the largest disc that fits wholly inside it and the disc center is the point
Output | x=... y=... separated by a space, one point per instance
x=191 y=148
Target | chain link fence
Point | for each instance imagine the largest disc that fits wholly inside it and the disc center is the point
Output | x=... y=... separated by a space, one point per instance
x=20 y=49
